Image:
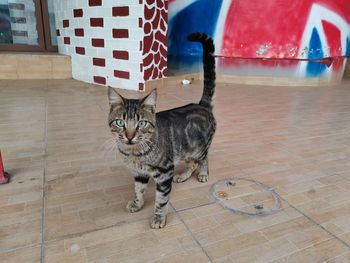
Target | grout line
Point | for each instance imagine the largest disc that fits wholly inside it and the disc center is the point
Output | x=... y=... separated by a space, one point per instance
x=43 y=215
x=191 y=233
x=189 y=208
x=317 y=224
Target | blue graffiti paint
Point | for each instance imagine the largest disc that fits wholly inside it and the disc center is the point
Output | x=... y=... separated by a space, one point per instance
x=347 y=47
x=315 y=69
x=201 y=16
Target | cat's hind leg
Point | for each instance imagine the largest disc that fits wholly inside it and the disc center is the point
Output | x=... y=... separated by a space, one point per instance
x=191 y=166
x=203 y=175
x=141 y=182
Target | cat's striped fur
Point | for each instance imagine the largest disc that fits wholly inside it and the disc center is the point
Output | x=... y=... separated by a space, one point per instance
x=153 y=143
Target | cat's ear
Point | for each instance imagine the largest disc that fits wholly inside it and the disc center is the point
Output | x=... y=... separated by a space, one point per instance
x=114 y=98
x=149 y=102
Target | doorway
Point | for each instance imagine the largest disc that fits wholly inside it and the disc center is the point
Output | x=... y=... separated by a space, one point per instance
x=27 y=25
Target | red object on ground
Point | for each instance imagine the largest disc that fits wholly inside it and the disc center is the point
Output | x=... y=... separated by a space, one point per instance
x=4 y=176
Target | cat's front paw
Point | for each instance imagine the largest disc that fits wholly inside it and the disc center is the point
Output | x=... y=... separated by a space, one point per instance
x=134 y=206
x=158 y=221
x=203 y=178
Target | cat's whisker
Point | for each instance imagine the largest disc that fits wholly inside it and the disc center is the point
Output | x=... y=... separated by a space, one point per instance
x=111 y=151
x=108 y=146
x=108 y=141
x=105 y=146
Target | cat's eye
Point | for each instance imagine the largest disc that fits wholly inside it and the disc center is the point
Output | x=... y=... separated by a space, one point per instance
x=120 y=123
x=142 y=124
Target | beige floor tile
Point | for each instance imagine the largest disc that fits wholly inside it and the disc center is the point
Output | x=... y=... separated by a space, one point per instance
x=227 y=247
x=307 y=237
x=331 y=248
x=265 y=252
x=55 y=141
x=194 y=255
x=339 y=259
x=327 y=251
x=28 y=255
x=218 y=230
x=129 y=242
x=286 y=228
x=21 y=213
x=347 y=256
x=307 y=255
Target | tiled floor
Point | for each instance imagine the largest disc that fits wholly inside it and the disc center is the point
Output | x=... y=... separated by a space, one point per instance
x=66 y=200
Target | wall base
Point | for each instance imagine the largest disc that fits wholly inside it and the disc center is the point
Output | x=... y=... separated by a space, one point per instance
x=276 y=81
x=246 y=80
x=347 y=70
x=35 y=66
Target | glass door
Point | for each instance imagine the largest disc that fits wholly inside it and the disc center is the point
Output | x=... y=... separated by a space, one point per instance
x=25 y=25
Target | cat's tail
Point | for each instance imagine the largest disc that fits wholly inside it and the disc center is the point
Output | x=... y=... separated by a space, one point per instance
x=208 y=67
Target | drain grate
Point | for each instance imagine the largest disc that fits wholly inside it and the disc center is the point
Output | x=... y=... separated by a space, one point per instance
x=245 y=196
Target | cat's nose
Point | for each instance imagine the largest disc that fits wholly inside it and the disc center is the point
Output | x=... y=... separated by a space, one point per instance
x=130 y=134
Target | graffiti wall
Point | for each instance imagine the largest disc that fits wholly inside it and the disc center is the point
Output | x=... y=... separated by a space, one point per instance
x=267 y=37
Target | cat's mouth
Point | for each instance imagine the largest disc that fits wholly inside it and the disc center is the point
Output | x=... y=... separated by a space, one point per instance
x=126 y=142
x=129 y=143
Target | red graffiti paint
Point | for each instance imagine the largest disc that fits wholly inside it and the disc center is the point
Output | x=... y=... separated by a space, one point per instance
x=4 y=176
x=280 y=24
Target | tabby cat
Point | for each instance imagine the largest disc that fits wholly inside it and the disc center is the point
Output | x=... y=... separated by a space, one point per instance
x=153 y=143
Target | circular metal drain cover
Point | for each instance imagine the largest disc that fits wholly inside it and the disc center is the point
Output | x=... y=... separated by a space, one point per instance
x=245 y=196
